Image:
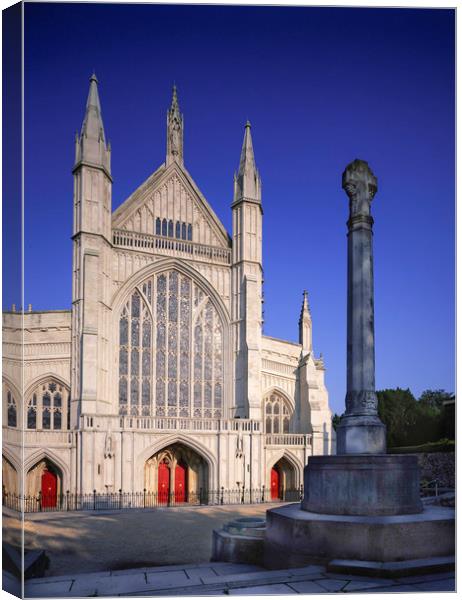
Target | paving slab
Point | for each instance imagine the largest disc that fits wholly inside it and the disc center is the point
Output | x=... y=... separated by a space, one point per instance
x=315 y=570
x=170 y=579
x=227 y=568
x=55 y=588
x=200 y=572
x=444 y=585
x=332 y=585
x=252 y=576
x=423 y=578
x=276 y=588
x=307 y=587
x=390 y=589
x=354 y=586
x=378 y=580
x=112 y=586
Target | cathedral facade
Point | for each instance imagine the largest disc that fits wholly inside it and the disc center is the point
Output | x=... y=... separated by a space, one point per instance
x=159 y=378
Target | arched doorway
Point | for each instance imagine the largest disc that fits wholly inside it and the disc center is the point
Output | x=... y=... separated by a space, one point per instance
x=176 y=475
x=44 y=483
x=9 y=477
x=283 y=480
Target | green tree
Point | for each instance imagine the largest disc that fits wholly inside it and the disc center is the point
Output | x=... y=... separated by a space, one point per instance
x=411 y=422
x=398 y=410
x=435 y=398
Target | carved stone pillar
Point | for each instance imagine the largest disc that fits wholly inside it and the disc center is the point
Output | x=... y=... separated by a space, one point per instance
x=360 y=431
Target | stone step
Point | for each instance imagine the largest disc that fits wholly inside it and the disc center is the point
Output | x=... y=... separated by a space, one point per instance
x=396 y=569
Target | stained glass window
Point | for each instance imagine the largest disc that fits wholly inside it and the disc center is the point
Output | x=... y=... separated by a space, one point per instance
x=170 y=363
x=32 y=413
x=157 y=226
x=278 y=414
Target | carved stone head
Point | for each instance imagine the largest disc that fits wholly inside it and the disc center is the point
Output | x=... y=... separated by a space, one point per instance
x=360 y=185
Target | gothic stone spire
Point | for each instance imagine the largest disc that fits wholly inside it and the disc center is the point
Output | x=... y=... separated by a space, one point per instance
x=174 y=131
x=91 y=145
x=247 y=183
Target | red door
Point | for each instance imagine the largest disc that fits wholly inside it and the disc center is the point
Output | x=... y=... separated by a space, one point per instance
x=163 y=483
x=49 y=487
x=180 y=483
x=274 y=484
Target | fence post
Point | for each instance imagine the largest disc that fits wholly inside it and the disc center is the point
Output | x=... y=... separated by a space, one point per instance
x=222 y=492
x=120 y=499
x=243 y=490
x=94 y=499
x=144 y=498
x=40 y=500
x=67 y=500
x=263 y=493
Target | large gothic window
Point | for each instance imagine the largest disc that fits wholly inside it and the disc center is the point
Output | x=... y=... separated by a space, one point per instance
x=48 y=406
x=277 y=413
x=170 y=350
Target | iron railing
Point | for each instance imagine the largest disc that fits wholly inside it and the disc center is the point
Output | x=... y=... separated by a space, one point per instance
x=126 y=500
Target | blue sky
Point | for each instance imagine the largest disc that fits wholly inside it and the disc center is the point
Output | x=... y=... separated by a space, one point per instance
x=321 y=86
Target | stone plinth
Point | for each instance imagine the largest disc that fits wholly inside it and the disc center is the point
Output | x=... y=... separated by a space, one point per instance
x=240 y=541
x=296 y=537
x=359 y=484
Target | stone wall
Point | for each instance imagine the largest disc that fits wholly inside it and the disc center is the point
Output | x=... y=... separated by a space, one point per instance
x=438 y=465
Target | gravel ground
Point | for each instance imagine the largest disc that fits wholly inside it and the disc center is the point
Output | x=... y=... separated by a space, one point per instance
x=82 y=542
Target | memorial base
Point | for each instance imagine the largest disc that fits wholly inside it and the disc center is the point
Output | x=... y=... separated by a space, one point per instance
x=362 y=484
x=296 y=537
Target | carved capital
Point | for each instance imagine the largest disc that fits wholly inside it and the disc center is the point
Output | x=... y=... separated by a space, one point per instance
x=360 y=185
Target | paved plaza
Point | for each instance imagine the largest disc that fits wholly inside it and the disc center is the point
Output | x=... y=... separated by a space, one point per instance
x=167 y=552
x=80 y=542
x=210 y=579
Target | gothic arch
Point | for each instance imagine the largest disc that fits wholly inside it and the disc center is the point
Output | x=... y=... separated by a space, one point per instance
x=63 y=408
x=278 y=411
x=293 y=461
x=16 y=462
x=178 y=438
x=282 y=392
x=42 y=379
x=166 y=264
x=39 y=455
x=122 y=297
x=18 y=400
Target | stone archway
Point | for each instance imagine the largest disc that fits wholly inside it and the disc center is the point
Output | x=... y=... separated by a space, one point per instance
x=283 y=481
x=176 y=475
x=10 y=481
x=45 y=481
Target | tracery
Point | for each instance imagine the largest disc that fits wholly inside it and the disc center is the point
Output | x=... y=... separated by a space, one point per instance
x=170 y=350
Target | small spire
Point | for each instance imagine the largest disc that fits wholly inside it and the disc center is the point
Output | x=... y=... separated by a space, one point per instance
x=304 y=325
x=91 y=146
x=174 y=130
x=248 y=184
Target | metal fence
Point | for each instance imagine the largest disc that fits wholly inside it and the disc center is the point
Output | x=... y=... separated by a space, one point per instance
x=145 y=499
